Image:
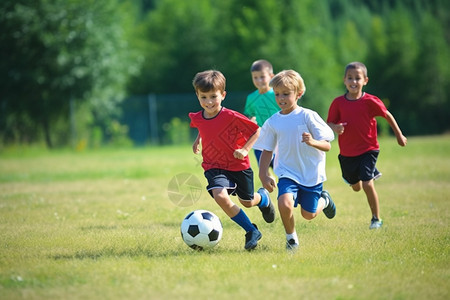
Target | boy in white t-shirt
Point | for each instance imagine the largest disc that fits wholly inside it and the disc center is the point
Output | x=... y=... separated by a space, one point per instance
x=302 y=138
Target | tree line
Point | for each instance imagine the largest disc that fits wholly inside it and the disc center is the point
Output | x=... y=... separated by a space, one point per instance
x=86 y=56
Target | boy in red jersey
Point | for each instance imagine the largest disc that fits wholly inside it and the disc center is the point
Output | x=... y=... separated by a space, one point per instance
x=226 y=137
x=352 y=117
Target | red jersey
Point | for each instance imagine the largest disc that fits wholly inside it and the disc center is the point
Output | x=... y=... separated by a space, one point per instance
x=221 y=136
x=360 y=133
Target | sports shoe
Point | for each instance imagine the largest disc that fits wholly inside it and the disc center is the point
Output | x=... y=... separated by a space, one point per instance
x=377 y=175
x=268 y=212
x=375 y=223
x=330 y=210
x=252 y=238
x=291 y=246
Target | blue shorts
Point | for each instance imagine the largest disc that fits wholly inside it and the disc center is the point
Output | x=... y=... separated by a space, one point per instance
x=306 y=196
x=361 y=167
x=235 y=182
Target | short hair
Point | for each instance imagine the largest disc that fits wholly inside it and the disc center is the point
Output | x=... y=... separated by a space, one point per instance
x=211 y=80
x=261 y=65
x=290 y=79
x=356 y=65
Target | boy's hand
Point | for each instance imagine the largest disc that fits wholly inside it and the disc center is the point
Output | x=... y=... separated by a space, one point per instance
x=240 y=153
x=339 y=128
x=307 y=138
x=268 y=183
x=402 y=140
x=196 y=147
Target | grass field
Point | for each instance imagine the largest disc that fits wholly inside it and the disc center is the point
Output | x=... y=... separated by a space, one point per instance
x=100 y=225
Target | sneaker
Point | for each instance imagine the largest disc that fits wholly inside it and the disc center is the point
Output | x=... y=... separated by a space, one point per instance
x=375 y=223
x=268 y=212
x=252 y=238
x=330 y=210
x=377 y=175
x=291 y=246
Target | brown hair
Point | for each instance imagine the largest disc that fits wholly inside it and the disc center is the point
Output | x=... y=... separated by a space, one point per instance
x=261 y=65
x=210 y=80
x=356 y=65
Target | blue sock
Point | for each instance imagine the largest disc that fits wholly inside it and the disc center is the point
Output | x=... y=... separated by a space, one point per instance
x=242 y=220
x=264 y=200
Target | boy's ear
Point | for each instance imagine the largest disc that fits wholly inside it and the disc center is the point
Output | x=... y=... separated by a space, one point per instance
x=366 y=80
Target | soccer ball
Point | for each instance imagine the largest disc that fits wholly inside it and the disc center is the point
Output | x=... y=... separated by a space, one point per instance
x=201 y=229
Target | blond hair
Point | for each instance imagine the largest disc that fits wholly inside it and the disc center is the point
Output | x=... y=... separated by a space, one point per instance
x=290 y=79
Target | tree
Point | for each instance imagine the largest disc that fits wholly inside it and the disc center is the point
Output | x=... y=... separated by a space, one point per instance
x=58 y=51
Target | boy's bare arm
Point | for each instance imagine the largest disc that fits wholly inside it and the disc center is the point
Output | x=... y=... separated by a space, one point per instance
x=196 y=145
x=338 y=128
x=320 y=145
x=401 y=139
x=243 y=152
x=267 y=180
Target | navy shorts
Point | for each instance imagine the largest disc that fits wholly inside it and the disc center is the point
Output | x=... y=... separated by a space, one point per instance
x=307 y=196
x=361 y=167
x=238 y=183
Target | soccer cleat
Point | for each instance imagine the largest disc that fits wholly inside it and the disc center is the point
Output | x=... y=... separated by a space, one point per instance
x=375 y=223
x=377 y=175
x=268 y=212
x=330 y=209
x=252 y=238
x=291 y=246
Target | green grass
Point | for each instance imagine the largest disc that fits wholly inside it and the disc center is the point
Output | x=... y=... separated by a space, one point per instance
x=100 y=225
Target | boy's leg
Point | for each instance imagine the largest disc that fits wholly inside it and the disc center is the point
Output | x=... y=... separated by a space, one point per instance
x=372 y=198
x=223 y=200
x=367 y=173
x=287 y=192
x=253 y=235
x=286 y=208
x=247 y=196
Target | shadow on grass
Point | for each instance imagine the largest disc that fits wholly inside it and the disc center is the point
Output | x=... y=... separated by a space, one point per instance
x=135 y=253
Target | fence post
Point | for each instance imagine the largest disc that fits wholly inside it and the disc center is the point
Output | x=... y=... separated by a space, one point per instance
x=73 y=125
x=153 y=118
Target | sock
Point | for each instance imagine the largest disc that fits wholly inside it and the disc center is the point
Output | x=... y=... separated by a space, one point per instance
x=264 y=200
x=242 y=220
x=292 y=236
x=326 y=201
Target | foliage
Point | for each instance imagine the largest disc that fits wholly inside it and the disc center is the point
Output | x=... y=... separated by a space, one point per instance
x=92 y=54
x=59 y=51
x=317 y=38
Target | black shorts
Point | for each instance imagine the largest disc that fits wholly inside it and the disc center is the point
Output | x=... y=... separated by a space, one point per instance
x=236 y=182
x=358 y=168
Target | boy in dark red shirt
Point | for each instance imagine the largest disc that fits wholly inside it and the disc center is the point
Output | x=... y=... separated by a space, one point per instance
x=352 y=117
x=226 y=137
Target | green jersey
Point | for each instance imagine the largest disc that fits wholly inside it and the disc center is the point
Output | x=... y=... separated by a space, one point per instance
x=261 y=106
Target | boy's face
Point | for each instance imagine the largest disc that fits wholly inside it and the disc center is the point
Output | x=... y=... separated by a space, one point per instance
x=261 y=80
x=211 y=102
x=286 y=98
x=354 y=81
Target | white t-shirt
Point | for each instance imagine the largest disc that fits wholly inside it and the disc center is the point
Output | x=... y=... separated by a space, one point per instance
x=294 y=159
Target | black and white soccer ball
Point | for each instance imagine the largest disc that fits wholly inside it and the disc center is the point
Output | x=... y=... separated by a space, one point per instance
x=201 y=229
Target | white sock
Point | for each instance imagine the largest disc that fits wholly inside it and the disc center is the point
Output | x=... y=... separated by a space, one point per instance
x=326 y=201
x=292 y=236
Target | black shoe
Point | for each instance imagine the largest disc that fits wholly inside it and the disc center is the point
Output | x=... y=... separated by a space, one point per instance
x=330 y=210
x=291 y=246
x=268 y=212
x=252 y=238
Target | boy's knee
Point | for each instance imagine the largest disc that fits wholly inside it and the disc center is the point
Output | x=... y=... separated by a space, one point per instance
x=308 y=215
x=246 y=203
x=357 y=186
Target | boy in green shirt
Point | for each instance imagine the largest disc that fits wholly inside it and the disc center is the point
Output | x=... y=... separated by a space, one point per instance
x=261 y=104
